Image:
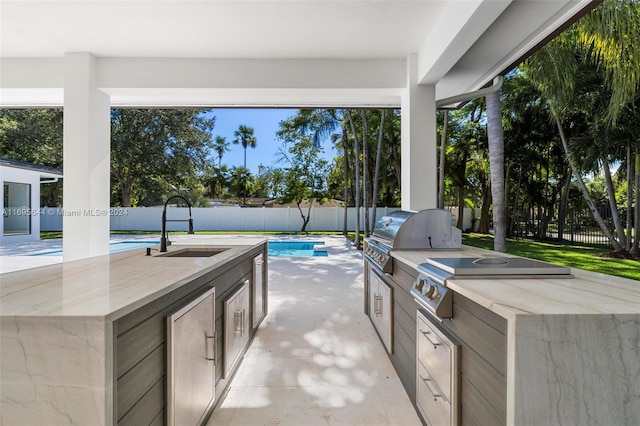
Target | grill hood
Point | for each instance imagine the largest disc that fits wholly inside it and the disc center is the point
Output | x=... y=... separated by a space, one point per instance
x=426 y=229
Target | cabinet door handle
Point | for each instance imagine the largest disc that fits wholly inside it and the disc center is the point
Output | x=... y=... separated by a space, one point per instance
x=426 y=335
x=433 y=394
x=237 y=322
x=210 y=347
x=378 y=305
x=243 y=317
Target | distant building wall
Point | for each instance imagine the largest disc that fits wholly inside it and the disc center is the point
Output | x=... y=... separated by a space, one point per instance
x=24 y=214
x=469 y=220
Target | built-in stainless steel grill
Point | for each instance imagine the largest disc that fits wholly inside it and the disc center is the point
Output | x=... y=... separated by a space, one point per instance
x=403 y=230
x=431 y=292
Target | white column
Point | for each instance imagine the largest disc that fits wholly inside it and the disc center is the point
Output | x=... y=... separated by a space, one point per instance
x=419 y=153
x=87 y=141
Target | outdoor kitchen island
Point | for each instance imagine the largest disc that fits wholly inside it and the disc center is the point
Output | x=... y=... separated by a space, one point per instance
x=87 y=342
x=532 y=350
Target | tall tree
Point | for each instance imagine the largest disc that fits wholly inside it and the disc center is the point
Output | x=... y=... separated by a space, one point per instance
x=356 y=145
x=496 y=159
x=606 y=38
x=156 y=152
x=304 y=178
x=221 y=146
x=245 y=137
x=320 y=124
x=376 y=173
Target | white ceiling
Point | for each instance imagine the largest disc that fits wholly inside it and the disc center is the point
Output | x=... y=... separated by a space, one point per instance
x=214 y=28
x=460 y=44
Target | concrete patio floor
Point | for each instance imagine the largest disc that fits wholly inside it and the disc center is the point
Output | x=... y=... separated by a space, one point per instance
x=315 y=360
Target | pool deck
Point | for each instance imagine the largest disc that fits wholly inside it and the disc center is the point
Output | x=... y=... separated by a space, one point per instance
x=18 y=256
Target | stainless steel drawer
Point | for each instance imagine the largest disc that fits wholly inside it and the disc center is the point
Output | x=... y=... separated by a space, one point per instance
x=437 y=371
x=435 y=409
x=435 y=353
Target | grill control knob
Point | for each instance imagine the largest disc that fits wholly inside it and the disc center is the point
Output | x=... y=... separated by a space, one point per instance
x=420 y=283
x=431 y=292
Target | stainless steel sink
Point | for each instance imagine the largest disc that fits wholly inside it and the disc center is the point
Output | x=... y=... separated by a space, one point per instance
x=193 y=252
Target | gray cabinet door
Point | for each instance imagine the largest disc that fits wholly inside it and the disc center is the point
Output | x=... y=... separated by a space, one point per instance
x=258 y=290
x=385 y=319
x=191 y=361
x=380 y=305
x=236 y=330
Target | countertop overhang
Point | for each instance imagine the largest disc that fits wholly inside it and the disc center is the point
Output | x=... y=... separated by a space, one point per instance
x=586 y=293
x=110 y=286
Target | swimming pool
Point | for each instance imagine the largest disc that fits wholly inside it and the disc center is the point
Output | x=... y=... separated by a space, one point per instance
x=296 y=249
x=116 y=247
x=276 y=248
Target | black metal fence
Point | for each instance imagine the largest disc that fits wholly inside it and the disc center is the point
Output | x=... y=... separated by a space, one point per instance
x=579 y=226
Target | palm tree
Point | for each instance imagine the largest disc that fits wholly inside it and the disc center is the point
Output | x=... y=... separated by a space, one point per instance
x=496 y=159
x=606 y=38
x=220 y=147
x=244 y=136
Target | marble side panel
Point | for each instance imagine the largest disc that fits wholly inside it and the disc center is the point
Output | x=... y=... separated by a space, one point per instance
x=52 y=371
x=577 y=369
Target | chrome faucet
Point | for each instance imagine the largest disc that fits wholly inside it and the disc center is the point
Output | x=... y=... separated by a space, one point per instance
x=164 y=240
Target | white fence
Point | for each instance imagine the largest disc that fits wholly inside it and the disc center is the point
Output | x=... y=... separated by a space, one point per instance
x=218 y=218
x=230 y=218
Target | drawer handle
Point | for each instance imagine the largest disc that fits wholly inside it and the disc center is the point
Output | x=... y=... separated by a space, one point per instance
x=210 y=347
x=433 y=394
x=426 y=334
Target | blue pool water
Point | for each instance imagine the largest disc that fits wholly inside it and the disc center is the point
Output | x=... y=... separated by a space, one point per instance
x=295 y=249
x=118 y=247
x=276 y=248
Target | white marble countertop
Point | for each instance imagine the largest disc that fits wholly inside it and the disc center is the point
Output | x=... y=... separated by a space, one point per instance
x=585 y=293
x=113 y=285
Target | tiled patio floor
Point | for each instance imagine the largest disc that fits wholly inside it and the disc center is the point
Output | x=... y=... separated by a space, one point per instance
x=316 y=359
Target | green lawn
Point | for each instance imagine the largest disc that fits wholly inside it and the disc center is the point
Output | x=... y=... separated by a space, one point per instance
x=575 y=256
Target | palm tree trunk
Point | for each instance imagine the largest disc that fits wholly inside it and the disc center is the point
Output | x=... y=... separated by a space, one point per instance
x=365 y=170
x=630 y=174
x=443 y=146
x=460 y=223
x=345 y=176
x=483 y=224
x=635 y=248
x=244 y=179
x=376 y=173
x=564 y=201
x=357 y=179
x=612 y=204
x=496 y=166
x=585 y=192
x=516 y=200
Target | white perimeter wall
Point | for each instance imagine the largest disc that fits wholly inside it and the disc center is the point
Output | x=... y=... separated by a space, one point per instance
x=232 y=218
x=217 y=218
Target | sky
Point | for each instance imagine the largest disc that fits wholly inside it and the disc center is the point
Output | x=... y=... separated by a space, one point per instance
x=265 y=123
